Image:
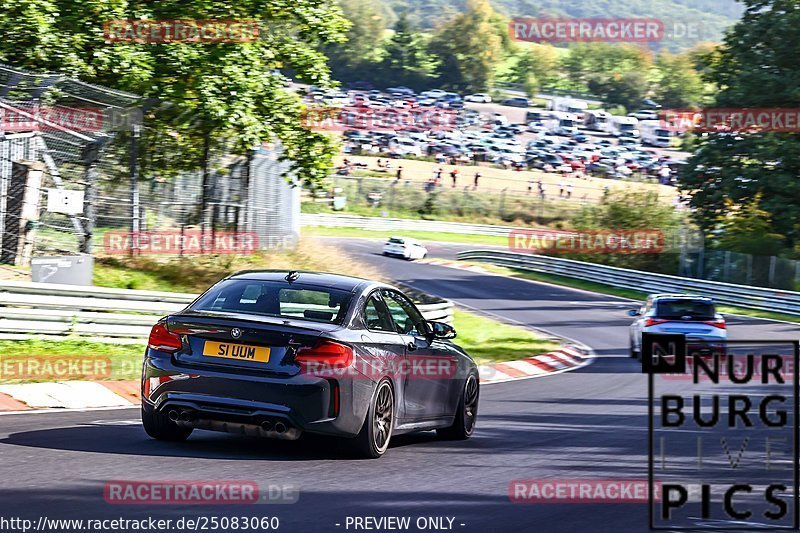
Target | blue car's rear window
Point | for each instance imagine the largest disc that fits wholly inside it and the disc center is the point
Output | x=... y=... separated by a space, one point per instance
x=696 y=309
x=280 y=299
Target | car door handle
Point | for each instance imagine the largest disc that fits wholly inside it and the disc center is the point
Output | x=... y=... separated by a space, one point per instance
x=411 y=346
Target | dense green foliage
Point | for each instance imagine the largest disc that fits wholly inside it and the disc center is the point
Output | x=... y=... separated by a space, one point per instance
x=627 y=210
x=712 y=16
x=222 y=96
x=745 y=177
x=473 y=51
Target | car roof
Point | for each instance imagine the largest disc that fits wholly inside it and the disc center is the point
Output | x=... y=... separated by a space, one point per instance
x=679 y=296
x=326 y=279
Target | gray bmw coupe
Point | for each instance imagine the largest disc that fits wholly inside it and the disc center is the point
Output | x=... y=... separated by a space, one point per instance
x=276 y=354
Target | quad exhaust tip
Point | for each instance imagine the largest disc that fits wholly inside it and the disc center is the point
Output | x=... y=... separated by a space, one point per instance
x=186 y=416
x=180 y=416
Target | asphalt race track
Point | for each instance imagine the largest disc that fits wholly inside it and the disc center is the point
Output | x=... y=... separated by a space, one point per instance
x=591 y=423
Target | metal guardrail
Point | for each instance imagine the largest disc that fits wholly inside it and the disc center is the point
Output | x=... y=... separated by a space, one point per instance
x=725 y=293
x=393 y=225
x=54 y=309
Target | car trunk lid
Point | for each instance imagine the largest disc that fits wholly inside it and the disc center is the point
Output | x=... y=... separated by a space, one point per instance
x=243 y=343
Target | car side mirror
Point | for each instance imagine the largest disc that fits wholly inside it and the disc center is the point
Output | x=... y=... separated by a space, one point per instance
x=633 y=312
x=440 y=330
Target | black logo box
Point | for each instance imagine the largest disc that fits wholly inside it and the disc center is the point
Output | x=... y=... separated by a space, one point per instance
x=664 y=353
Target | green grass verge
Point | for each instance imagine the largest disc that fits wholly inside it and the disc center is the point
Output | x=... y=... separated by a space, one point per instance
x=47 y=360
x=121 y=277
x=624 y=293
x=421 y=235
x=489 y=341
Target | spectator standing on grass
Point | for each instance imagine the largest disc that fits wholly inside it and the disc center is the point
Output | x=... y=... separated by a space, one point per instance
x=569 y=191
x=399 y=172
x=561 y=189
x=541 y=190
x=438 y=178
x=477 y=177
x=664 y=175
x=454 y=176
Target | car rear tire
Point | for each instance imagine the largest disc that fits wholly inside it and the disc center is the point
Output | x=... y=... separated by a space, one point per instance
x=466 y=412
x=633 y=351
x=160 y=427
x=373 y=439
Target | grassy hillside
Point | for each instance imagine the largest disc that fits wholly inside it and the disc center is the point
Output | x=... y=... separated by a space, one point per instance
x=708 y=17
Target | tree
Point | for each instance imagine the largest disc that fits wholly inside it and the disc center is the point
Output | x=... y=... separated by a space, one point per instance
x=747 y=229
x=626 y=89
x=756 y=66
x=406 y=60
x=224 y=95
x=631 y=210
x=469 y=46
x=585 y=61
x=678 y=84
x=358 y=56
x=535 y=67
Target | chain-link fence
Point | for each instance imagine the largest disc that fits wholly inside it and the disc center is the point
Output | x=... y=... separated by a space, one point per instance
x=87 y=138
x=409 y=198
x=72 y=127
x=741 y=269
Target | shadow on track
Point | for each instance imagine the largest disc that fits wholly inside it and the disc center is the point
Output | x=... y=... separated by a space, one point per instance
x=131 y=439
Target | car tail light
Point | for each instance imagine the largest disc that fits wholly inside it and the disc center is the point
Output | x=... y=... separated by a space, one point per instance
x=163 y=339
x=653 y=322
x=326 y=353
x=717 y=323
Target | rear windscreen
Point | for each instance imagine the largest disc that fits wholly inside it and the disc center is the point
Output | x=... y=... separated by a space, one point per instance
x=695 y=310
x=272 y=298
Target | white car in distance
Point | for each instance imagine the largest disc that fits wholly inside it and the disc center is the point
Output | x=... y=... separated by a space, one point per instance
x=481 y=98
x=404 y=247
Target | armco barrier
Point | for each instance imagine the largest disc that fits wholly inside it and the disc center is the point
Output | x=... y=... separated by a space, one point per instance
x=53 y=309
x=726 y=293
x=393 y=225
